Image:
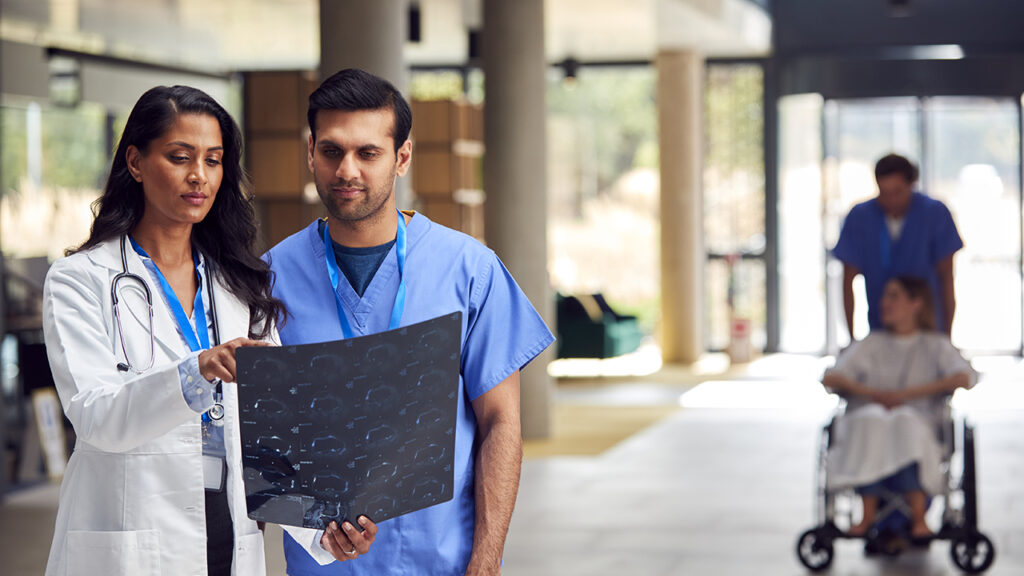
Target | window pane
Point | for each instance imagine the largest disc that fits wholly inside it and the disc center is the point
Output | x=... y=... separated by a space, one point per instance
x=603 y=186
x=435 y=85
x=973 y=166
x=734 y=159
x=801 y=249
x=734 y=199
x=55 y=162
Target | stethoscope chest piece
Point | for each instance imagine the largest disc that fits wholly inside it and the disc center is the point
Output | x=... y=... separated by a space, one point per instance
x=217 y=412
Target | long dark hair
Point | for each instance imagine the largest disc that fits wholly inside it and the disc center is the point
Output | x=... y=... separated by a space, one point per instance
x=919 y=289
x=227 y=235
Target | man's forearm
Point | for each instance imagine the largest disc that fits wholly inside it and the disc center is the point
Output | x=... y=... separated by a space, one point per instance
x=947 y=292
x=849 y=301
x=498 y=465
x=949 y=307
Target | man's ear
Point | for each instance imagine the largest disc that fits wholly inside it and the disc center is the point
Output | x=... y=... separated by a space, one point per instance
x=404 y=158
x=309 y=156
x=132 y=157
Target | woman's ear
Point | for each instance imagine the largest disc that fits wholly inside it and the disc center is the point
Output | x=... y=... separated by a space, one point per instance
x=919 y=312
x=132 y=157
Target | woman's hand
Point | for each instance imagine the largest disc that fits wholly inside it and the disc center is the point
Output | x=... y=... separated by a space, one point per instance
x=889 y=398
x=346 y=542
x=219 y=362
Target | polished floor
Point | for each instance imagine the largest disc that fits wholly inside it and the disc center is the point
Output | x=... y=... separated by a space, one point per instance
x=720 y=486
x=724 y=486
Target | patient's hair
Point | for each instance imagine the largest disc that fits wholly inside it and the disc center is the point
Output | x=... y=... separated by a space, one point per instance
x=919 y=289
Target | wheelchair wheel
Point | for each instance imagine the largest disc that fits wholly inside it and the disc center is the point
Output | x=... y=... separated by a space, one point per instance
x=972 y=552
x=814 y=550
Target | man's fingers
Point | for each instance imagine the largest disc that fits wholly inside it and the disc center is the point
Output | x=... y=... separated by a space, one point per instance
x=342 y=542
x=369 y=527
x=335 y=542
x=327 y=541
x=361 y=543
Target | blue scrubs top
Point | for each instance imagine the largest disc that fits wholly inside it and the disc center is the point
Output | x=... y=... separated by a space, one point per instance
x=928 y=237
x=445 y=271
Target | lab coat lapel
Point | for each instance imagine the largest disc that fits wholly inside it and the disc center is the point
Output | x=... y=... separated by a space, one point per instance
x=232 y=313
x=136 y=322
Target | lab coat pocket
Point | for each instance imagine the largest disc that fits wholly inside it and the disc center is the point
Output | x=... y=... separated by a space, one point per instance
x=249 y=556
x=134 y=553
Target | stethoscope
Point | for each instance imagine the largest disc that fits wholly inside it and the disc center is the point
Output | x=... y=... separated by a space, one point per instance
x=215 y=413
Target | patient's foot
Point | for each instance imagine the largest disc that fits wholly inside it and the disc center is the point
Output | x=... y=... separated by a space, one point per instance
x=920 y=531
x=859 y=530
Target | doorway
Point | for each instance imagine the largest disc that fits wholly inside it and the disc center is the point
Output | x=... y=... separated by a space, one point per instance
x=969 y=152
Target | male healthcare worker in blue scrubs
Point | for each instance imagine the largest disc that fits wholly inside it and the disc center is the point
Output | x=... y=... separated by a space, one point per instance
x=899 y=233
x=368 y=268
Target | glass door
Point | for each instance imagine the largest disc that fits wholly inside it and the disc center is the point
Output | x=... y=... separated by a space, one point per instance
x=857 y=133
x=973 y=165
x=969 y=152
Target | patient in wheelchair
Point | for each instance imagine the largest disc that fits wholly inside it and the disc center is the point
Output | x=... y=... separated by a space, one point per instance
x=896 y=383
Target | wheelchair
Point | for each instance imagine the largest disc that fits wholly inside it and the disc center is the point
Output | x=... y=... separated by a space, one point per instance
x=970 y=549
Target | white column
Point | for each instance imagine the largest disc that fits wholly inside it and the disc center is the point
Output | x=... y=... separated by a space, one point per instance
x=680 y=113
x=515 y=168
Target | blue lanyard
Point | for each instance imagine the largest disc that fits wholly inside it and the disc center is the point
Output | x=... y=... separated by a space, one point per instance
x=196 y=339
x=335 y=273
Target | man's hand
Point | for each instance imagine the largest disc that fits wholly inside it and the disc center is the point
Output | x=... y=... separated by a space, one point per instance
x=347 y=543
x=219 y=361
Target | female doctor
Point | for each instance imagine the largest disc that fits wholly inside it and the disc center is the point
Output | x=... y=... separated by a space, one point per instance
x=141 y=323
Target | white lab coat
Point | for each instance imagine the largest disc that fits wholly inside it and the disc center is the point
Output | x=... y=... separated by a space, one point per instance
x=132 y=498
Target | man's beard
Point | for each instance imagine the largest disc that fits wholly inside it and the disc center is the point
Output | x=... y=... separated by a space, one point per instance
x=368 y=207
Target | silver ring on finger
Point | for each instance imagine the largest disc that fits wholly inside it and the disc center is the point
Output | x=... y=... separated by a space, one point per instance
x=353 y=553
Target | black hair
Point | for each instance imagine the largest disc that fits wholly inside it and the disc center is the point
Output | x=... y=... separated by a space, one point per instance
x=918 y=289
x=353 y=89
x=896 y=164
x=227 y=236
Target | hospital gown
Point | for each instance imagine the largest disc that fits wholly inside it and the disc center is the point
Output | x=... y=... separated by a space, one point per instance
x=870 y=442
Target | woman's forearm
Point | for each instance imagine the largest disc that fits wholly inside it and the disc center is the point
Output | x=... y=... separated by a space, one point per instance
x=842 y=384
x=938 y=387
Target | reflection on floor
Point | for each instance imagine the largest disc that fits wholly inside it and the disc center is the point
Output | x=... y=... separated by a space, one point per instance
x=588 y=430
x=697 y=477
x=725 y=485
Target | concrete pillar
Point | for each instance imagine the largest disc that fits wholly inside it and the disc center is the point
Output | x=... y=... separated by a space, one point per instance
x=370 y=35
x=680 y=112
x=366 y=35
x=515 y=168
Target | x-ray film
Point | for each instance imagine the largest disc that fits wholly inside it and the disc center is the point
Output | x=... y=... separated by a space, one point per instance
x=362 y=426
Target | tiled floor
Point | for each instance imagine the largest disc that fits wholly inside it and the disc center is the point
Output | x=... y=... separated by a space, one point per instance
x=723 y=487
